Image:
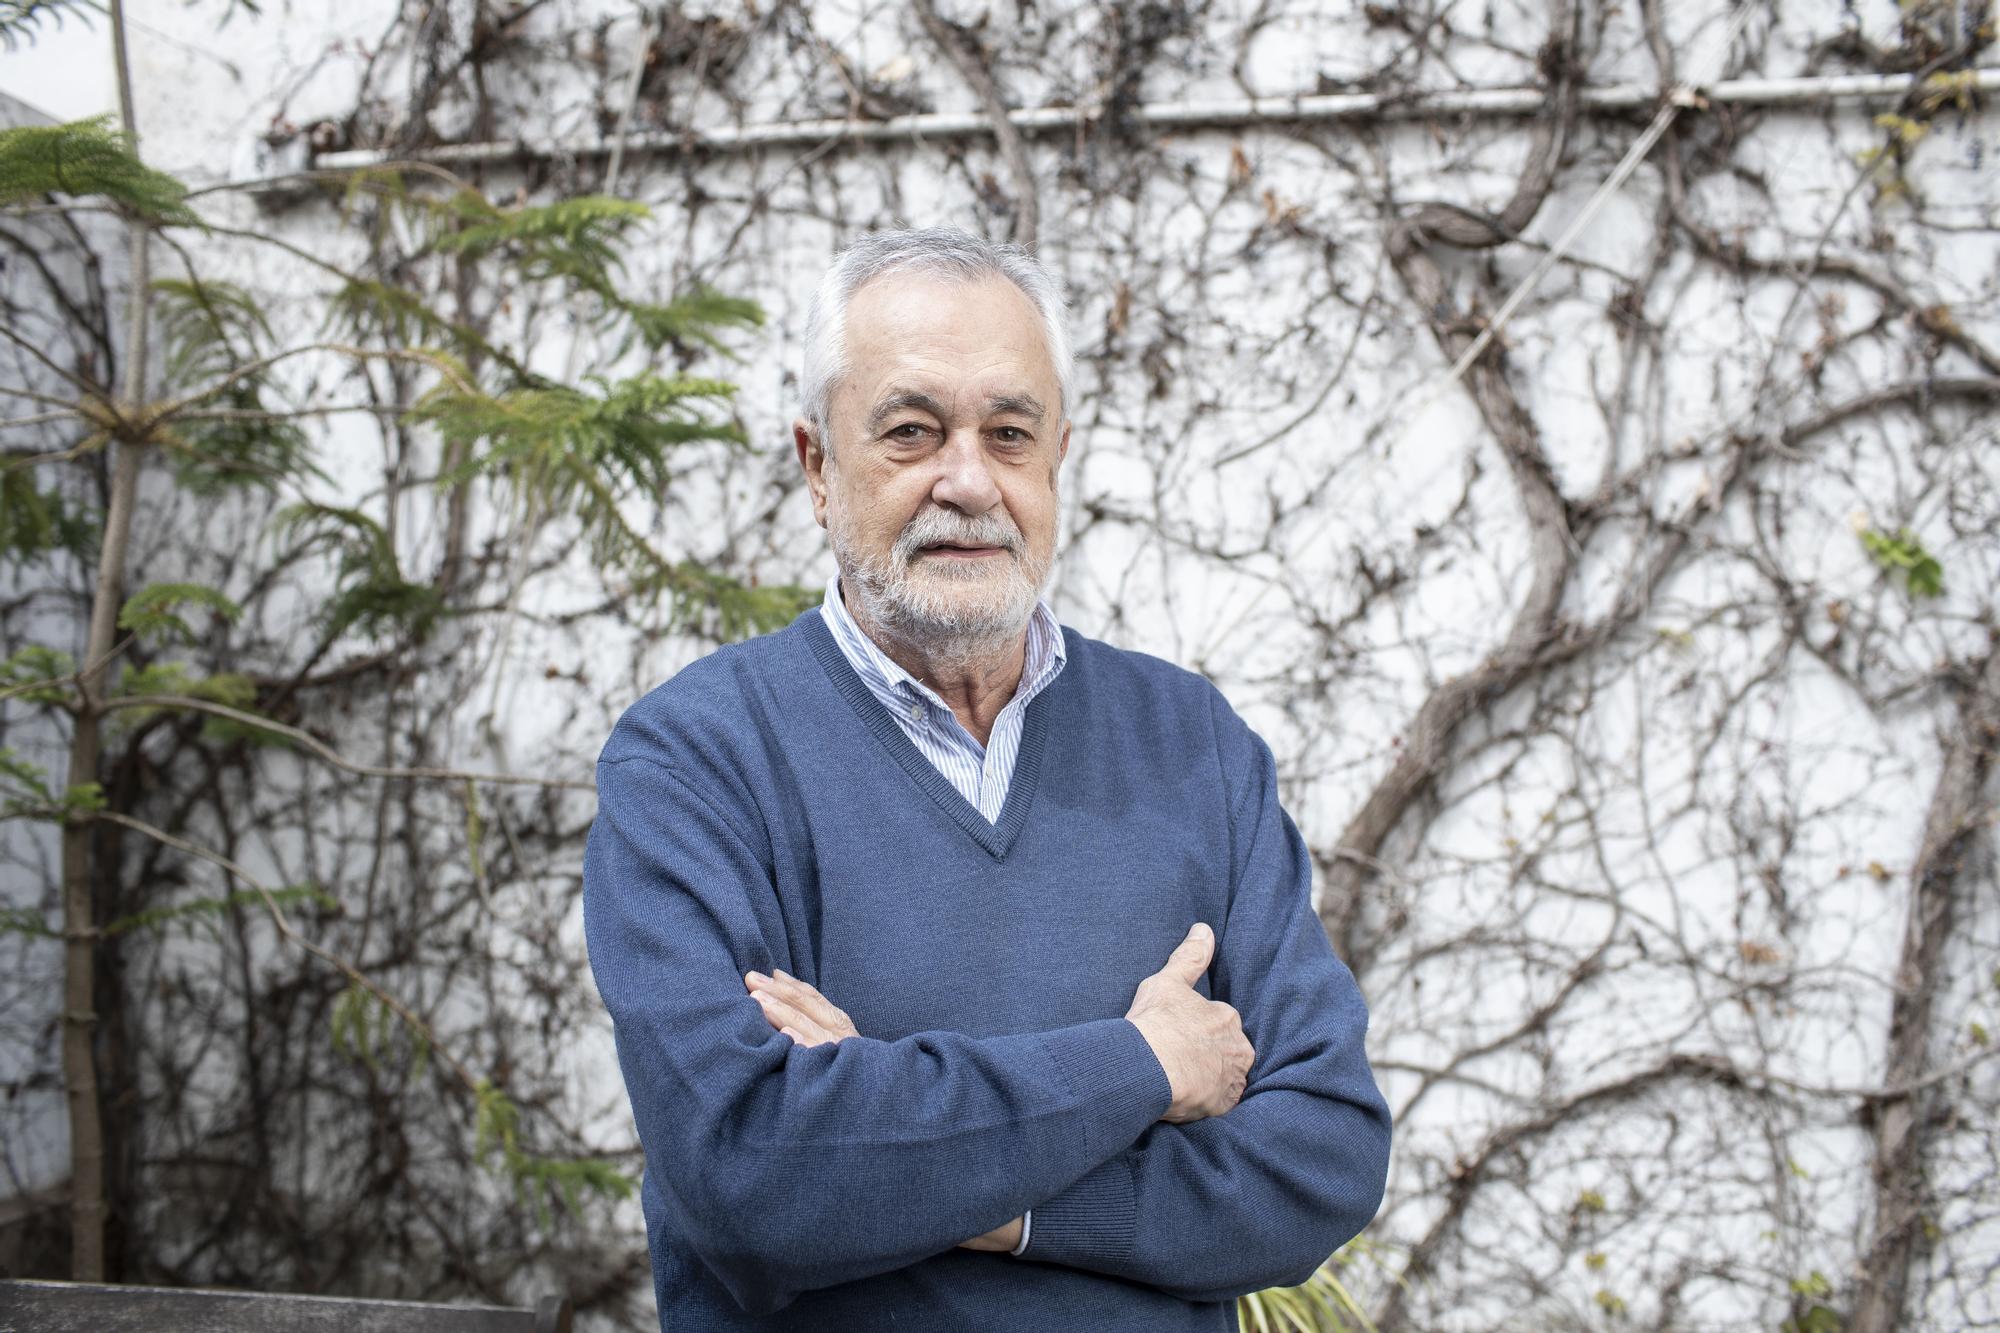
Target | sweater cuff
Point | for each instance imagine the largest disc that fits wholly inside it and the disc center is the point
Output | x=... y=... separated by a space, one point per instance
x=1108 y=1065
x=1090 y=1223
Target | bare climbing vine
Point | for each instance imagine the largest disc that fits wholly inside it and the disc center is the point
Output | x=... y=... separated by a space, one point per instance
x=1638 y=696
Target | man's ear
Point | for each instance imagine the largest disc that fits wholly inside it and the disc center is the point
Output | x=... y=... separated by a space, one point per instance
x=812 y=461
x=1062 y=444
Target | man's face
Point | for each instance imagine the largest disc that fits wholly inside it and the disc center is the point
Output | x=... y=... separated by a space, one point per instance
x=939 y=491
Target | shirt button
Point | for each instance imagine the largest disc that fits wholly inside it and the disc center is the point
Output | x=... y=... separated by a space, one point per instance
x=916 y=712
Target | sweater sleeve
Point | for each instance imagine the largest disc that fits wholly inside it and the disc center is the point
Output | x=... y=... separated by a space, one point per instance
x=786 y=1168
x=1261 y=1196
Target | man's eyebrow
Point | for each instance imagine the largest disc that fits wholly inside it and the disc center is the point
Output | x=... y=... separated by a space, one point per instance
x=1020 y=404
x=900 y=401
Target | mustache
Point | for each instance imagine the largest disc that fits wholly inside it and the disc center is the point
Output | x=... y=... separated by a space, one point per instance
x=934 y=526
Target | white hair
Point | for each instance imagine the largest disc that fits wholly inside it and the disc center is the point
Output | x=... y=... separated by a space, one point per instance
x=937 y=251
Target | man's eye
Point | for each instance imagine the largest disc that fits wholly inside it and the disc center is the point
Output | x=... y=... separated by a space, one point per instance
x=1012 y=435
x=909 y=430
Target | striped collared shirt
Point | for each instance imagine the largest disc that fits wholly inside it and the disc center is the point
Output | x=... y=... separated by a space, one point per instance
x=981 y=773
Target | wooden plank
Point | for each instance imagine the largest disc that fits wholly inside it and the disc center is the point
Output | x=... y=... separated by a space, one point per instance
x=68 y=1307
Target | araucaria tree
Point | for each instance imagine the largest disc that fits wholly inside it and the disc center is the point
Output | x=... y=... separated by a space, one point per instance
x=154 y=694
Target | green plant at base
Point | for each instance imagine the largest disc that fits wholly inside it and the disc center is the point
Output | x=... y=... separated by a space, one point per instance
x=1320 y=1304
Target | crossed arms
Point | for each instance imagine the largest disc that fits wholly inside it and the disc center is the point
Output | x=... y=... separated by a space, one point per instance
x=786 y=1167
x=1199 y=1042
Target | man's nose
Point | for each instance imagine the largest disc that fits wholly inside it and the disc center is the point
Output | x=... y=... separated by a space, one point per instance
x=965 y=477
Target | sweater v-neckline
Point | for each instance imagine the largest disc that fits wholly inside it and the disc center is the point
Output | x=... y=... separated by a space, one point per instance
x=994 y=837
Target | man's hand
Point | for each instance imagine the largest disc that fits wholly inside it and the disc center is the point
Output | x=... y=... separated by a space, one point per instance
x=800 y=1012
x=1200 y=1043
x=797 y=1010
x=1000 y=1240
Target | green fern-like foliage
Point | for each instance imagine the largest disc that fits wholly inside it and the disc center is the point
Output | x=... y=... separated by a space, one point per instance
x=21 y=782
x=371 y=593
x=35 y=522
x=37 y=674
x=25 y=792
x=227 y=688
x=26 y=921
x=84 y=158
x=696 y=317
x=199 y=909
x=496 y=1130
x=573 y=240
x=364 y=1029
x=154 y=609
x=581 y=452
x=21 y=20
x=548 y=438
x=726 y=608
x=211 y=330
x=365 y=309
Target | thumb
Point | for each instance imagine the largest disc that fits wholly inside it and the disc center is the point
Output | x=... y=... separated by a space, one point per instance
x=1191 y=956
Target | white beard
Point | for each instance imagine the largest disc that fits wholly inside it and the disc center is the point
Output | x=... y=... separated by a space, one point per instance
x=947 y=610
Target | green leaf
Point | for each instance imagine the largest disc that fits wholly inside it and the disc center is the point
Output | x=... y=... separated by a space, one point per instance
x=228 y=688
x=366 y=309
x=80 y=798
x=26 y=921
x=371 y=592
x=290 y=896
x=587 y=454
x=20 y=20
x=22 y=783
x=151 y=610
x=212 y=331
x=494 y=1122
x=237 y=691
x=25 y=792
x=1923 y=575
x=34 y=521
x=353 y=1033
x=40 y=666
x=571 y=240
x=694 y=318
x=85 y=158
x=207 y=328
x=1322 y=1304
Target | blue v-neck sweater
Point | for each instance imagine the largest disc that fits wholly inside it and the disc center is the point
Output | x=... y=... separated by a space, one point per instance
x=761 y=810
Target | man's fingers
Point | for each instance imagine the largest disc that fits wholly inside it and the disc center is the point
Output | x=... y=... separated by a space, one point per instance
x=793 y=1004
x=1190 y=958
x=808 y=998
x=789 y=1019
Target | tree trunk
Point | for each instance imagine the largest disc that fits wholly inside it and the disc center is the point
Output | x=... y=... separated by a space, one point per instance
x=86 y=1130
x=86 y=1124
x=1908 y=1108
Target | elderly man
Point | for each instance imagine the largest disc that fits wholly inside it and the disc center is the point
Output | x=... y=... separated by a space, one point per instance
x=964 y=969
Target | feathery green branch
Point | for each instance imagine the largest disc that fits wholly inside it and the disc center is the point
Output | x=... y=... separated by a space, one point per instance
x=87 y=157
x=151 y=610
x=370 y=591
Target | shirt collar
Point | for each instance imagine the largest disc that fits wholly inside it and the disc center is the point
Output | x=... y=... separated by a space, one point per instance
x=1045 y=656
